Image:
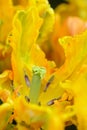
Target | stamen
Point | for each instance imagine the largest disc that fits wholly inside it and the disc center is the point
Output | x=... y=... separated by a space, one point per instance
x=39 y=103
x=12 y=112
x=1 y=102
x=51 y=102
x=12 y=85
x=14 y=122
x=48 y=83
x=27 y=99
x=27 y=80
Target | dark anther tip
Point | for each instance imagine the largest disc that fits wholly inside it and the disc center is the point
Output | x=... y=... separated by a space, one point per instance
x=27 y=80
x=1 y=102
x=14 y=122
x=27 y=99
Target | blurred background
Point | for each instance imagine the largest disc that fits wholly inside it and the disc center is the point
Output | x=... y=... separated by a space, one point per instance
x=54 y=3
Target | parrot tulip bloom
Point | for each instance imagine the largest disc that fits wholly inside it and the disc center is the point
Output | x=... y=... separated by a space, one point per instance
x=43 y=65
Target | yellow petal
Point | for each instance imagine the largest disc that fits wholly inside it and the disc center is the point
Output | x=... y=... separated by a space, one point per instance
x=6 y=19
x=75 y=52
x=36 y=116
x=5 y=113
x=25 y=32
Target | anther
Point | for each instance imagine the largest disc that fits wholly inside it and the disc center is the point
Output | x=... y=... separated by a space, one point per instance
x=27 y=80
x=27 y=99
x=51 y=102
x=48 y=83
x=1 y=102
x=14 y=122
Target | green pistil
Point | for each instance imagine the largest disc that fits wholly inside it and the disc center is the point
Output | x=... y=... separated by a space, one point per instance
x=38 y=74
